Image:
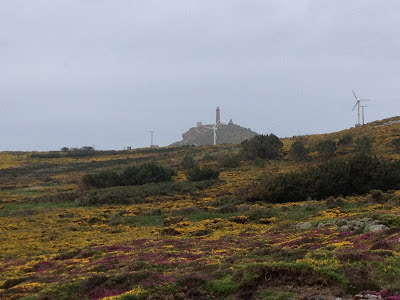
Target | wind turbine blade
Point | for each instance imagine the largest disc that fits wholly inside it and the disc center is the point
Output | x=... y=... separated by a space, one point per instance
x=355 y=96
x=365 y=100
x=355 y=106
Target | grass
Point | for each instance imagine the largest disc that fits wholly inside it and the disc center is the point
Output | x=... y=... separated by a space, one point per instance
x=224 y=286
x=200 y=216
x=273 y=295
x=145 y=221
x=28 y=208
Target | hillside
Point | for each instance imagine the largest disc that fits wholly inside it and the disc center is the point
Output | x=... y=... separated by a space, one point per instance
x=226 y=134
x=181 y=239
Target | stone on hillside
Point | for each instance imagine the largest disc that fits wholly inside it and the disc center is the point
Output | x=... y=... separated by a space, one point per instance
x=356 y=223
x=366 y=220
x=344 y=228
x=303 y=225
x=341 y=222
x=326 y=224
x=375 y=228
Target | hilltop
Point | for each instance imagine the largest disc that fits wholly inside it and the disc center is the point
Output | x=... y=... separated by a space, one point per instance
x=226 y=134
x=78 y=225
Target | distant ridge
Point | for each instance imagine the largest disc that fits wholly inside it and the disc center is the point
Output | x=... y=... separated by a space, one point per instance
x=226 y=134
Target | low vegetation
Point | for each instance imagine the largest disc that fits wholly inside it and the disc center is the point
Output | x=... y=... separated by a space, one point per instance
x=267 y=219
x=133 y=175
x=340 y=177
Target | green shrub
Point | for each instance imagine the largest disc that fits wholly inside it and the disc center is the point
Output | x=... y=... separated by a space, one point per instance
x=259 y=162
x=188 y=162
x=345 y=140
x=51 y=154
x=396 y=145
x=224 y=285
x=103 y=179
x=200 y=174
x=138 y=193
x=298 y=150
x=356 y=175
x=261 y=213
x=134 y=175
x=263 y=146
x=81 y=152
x=231 y=161
x=364 y=145
x=332 y=202
x=326 y=148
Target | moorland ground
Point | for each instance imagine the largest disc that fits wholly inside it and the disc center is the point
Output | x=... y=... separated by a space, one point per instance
x=233 y=236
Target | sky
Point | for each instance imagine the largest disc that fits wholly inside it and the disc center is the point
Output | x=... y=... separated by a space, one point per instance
x=103 y=73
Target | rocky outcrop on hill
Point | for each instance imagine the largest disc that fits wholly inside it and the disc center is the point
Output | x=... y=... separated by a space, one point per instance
x=226 y=134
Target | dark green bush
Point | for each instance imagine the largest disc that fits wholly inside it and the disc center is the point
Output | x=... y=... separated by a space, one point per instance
x=262 y=146
x=138 y=193
x=188 y=162
x=345 y=140
x=51 y=154
x=396 y=145
x=200 y=174
x=103 y=179
x=332 y=202
x=326 y=148
x=134 y=175
x=231 y=161
x=259 y=162
x=357 y=175
x=298 y=150
x=81 y=152
x=364 y=145
x=261 y=213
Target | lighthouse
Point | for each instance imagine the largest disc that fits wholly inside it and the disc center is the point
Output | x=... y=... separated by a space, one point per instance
x=218 y=116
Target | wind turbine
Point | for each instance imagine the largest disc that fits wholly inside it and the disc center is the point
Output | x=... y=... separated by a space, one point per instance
x=362 y=109
x=214 y=128
x=358 y=102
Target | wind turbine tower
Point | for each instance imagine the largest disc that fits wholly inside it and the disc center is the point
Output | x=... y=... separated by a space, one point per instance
x=362 y=110
x=358 y=104
x=214 y=129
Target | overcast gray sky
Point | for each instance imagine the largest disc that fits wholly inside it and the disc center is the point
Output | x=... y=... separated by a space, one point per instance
x=103 y=73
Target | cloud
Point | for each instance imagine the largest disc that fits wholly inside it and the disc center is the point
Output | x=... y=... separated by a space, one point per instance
x=123 y=67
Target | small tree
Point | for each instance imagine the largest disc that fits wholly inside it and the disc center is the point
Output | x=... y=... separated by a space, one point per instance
x=364 y=145
x=230 y=161
x=64 y=149
x=345 y=140
x=326 y=148
x=200 y=174
x=188 y=162
x=298 y=150
x=263 y=146
x=396 y=144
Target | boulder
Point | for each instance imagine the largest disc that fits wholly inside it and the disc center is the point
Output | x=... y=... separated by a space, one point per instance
x=356 y=223
x=303 y=225
x=344 y=228
x=341 y=222
x=375 y=228
x=326 y=224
